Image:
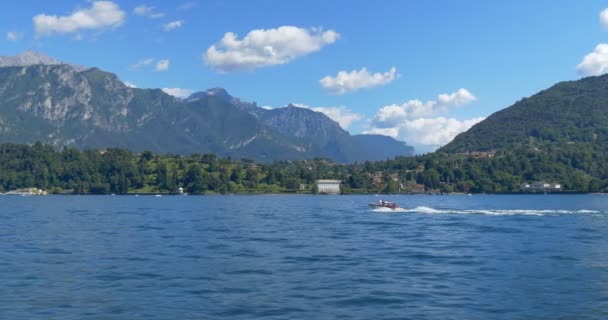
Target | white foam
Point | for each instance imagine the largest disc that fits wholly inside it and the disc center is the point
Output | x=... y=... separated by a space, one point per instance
x=497 y=212
x=427 y=210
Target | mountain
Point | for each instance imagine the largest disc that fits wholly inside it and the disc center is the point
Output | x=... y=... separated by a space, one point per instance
x=316 y=132
x=302 y=123
x=222 y=94
x=330 y=140
x=42 y=99
x=29 y=58
x=93 y=109
x=379 y=147
x=567 y=113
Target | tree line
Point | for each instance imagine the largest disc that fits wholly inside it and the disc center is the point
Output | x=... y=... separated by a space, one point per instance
x=580 y=167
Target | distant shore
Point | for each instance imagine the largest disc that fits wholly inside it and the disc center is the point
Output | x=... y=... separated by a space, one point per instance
x=153 y=194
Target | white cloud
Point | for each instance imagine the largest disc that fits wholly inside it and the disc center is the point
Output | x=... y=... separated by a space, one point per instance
x=173 y=25
x=141 y=63
x=146 y=11
x=420 y=123
x=604 y=18
x=162 y=65
x=342 y=115
x=346 y=81
x=427 y=134
x=266 y=47
x=394 y=114
x=458 y=98
x=391 y=132
x=594 y=63
x=435 y=131
x=102 y=14
x=178 y=92
x=14 y=36
x=129 y=84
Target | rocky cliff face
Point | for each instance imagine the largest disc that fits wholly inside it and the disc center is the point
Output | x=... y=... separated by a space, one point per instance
x=301 y=122
x=30 y=58
x=27 y=58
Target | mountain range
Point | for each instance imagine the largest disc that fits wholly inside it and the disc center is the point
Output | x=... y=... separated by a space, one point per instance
x=43 y=99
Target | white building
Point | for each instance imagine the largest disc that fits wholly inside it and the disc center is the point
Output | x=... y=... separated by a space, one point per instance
x=328 y=186
x=540 y=186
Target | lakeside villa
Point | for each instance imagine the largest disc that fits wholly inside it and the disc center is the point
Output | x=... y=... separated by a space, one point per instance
x=540 y=186
x=328 y=186
x=28 y=192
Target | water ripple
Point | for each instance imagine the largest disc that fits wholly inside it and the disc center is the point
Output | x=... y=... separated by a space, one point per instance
x=247 y=257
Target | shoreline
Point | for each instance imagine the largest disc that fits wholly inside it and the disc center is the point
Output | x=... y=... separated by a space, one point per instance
x=157 y=194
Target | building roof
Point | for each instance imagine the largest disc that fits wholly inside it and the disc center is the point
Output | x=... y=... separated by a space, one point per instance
x=329 y=181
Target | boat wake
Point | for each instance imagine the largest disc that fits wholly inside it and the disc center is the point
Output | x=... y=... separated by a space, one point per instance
x=500 y=212
x=496 y=212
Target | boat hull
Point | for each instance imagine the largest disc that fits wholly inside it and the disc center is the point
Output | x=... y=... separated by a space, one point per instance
x=377 y=206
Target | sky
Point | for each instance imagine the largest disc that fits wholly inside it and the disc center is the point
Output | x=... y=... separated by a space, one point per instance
x=419 y=71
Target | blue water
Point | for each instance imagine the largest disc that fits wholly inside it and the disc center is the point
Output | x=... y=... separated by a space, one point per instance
x=304 y=257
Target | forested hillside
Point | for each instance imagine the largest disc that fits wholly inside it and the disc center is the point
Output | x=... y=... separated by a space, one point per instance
x=570 y=112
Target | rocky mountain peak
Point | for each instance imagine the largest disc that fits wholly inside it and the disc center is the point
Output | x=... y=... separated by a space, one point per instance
x=218 y=92
x=27 y=58
x=30 y=58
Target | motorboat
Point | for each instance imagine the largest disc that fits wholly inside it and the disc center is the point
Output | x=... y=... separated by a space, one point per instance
x=384 y=204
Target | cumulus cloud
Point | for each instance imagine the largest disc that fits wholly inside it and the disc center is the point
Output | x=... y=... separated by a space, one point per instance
x=266 y=47
x=14 y=36
x=173 y=25
x=596 y=62
x=141 y=63
x=354 y=80
x=436 y=131
x=420 y=123
x=162 y=65
x=101 y=15
x=458 y=98
x=178 y=92
x=342 y=115
x=146 y=11
x=394 y=114
x=427 y=134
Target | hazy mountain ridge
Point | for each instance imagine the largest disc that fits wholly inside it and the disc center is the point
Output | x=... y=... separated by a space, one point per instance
x=316 y=132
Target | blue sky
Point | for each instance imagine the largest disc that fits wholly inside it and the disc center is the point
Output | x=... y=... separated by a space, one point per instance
x=432 y=68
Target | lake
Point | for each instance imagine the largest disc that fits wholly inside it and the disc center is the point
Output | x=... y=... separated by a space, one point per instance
x=304 y=257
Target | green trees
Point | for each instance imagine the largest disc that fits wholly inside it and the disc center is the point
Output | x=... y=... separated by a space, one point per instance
x=195 y=179
x=581 y=167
